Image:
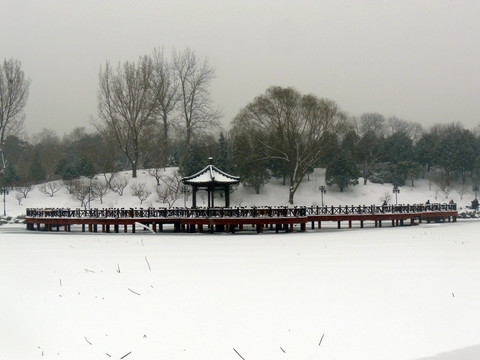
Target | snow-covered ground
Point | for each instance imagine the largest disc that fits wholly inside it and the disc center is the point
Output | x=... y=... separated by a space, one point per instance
x=386 y=293
x=274 y=193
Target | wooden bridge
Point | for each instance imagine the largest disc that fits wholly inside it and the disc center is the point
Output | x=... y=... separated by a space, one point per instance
x=231 y=220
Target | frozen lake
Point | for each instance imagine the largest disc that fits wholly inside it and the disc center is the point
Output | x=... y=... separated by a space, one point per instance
x=396 y=293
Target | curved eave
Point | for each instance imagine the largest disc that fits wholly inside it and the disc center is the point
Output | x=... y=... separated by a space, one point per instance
x=207 y=183
x=209 y=176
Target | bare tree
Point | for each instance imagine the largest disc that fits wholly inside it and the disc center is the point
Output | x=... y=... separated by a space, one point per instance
x=462 y=190
x=24 y=190
x=386 y=197
x=157 y=173
x=171 y=189
x=395 y=125
x=83 y=192
x=372 y=122
x=69 y=185
x=195 y=104
x=291 y=128
x=119 y=184
x=50 y=188
x=126 y=107
x=166 y=91
x=141 y=191
x=109 y=179
x=19 y=197
x=100 y=189
x=14 y=88
x=444 y=186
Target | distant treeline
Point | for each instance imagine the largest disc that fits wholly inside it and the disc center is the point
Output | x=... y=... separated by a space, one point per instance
x=369 y=147
x=158 y=112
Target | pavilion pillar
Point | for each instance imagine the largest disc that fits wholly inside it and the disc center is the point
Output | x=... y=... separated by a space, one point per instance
x=212 y=192
x=194 y=197
x=227 y=196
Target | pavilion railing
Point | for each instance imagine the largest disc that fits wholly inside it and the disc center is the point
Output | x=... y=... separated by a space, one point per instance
x=239 y=212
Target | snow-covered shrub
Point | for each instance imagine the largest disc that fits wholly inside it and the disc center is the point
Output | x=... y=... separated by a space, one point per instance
x=100 y=188
x=119 y=184
x=141 y=191
x=24 y=190
x=50 y=188
x=381 y=176
x=83 y=192
x=386 y=197
x=171 y=189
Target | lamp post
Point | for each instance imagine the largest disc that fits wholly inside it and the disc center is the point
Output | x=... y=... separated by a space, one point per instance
x=396 y=190
x=475 y=202
x=323 y=190
x=4 y=192
x=89 y=196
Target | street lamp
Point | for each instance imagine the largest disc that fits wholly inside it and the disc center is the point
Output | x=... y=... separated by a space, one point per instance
x=4 y=192
x=475 y=202
x=323 y=190
x=396 y=190
x=89 y=196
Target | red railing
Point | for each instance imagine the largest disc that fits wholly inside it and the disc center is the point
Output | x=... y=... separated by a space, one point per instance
x=236 y=212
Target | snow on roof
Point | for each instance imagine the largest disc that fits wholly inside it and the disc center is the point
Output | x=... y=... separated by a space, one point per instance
x=211 y=174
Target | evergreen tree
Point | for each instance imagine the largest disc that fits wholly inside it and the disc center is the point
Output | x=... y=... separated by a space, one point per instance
x=223 y=156
x=36 y=171
x=66 y=170
x=195 y=159
x=9 y=176
x=342 y=170
x=85 y=168
x=369 y=153
x=424 y=151
x=456 y=151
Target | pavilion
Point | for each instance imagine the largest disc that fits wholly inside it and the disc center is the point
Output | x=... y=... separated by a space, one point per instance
x=210 y=179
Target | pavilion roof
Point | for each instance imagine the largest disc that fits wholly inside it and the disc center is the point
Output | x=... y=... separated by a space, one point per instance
x=211 y=175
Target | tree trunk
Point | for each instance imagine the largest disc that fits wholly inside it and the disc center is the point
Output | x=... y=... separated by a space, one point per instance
x=291 y=190
x=290 y=196
x=188 y=138
x=365 y=174
x=134 y=169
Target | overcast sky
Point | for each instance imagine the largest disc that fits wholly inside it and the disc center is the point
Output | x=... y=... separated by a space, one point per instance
x=418 y=60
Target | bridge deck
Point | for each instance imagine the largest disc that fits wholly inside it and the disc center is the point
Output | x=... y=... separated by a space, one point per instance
x=234 y=219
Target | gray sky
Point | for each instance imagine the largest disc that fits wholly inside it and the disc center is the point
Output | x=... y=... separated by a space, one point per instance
x=418 y=59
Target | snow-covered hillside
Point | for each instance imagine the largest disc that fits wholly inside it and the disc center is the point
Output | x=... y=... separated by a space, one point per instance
x=274 y=193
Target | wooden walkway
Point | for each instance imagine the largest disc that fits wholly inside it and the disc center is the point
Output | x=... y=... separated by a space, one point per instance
x=231 y=220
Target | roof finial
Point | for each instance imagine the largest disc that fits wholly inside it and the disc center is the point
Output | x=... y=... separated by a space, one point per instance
x=210 y=159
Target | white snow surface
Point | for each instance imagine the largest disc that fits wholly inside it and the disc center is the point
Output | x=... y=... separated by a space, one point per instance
x=274 y=193
x=385 y=293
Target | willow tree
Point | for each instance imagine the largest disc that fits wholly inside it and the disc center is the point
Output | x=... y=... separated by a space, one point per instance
x=126 y=107
x=291 y=128
x=14 y=88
